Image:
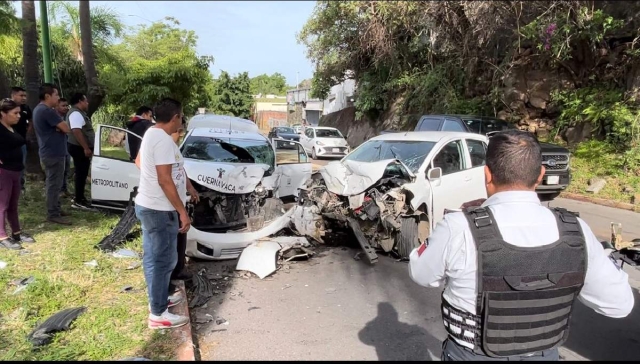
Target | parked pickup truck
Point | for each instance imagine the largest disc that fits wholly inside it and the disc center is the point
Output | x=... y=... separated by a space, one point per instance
x=554 y=158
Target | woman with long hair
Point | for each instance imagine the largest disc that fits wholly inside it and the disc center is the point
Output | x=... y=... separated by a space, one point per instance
x=11 y=166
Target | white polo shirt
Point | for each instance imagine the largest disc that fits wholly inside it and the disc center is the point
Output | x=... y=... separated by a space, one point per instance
x=451 y=255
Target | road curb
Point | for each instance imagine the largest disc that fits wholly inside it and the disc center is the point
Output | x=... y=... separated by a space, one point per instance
x=183 y=335
x=601 y=201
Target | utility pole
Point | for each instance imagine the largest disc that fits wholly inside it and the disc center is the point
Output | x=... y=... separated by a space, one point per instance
x=46 y=46
x=297 y=82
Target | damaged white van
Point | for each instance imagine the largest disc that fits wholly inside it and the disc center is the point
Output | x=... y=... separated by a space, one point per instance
x=232 y=166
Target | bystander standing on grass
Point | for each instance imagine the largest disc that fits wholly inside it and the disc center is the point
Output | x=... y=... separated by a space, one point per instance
x=11 y=167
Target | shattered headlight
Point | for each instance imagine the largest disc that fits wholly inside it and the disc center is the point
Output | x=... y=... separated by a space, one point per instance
x=260 y=189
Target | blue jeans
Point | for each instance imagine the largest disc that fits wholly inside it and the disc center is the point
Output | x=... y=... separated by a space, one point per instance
x=160 y=253
x=24 y=163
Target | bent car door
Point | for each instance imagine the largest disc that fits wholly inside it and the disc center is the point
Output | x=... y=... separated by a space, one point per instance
x=292 y=170
x=453 y=187
x=113 y=173
x=477 y=156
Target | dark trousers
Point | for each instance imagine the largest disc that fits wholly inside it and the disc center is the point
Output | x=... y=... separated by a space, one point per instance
x=9 y=195
x=452 y=351
x=54 y=171
x=82 y=165
x=182 y=247
x=67 y=169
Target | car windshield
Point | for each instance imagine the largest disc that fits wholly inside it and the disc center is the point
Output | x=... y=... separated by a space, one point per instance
x=488 y=125
x=285 y=130
x=410 y=152
x=228 y=150
x=328 y=133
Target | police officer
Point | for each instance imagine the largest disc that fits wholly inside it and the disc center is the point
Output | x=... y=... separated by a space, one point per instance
x=513 y=268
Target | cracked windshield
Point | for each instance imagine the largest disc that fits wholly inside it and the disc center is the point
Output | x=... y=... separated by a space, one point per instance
x=412 y=154
x=198 y=182
x=228 y=150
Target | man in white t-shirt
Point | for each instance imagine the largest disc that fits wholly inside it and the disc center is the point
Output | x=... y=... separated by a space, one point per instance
x=160 y=207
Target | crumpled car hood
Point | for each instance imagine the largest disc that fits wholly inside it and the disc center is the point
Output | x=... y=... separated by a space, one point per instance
x=232 y=178
x=349 y=178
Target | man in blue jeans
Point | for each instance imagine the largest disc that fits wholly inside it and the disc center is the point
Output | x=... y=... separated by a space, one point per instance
x=160 y=207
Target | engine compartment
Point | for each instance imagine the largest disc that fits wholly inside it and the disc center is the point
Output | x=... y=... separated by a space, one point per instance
x=218 y=212
x=379 y=211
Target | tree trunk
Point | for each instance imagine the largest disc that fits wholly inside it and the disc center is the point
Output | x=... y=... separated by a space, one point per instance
x=95 y=93
x=32 y=80
x=5 y=88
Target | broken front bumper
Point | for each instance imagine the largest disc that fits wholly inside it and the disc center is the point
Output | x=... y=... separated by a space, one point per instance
x=215 y=246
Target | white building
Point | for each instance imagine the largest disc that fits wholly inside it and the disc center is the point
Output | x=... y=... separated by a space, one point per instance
x=340 y=97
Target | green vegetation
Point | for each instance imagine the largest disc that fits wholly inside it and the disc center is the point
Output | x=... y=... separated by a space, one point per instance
x=598 y=159
x=554 y=67
x=263 y=84
x=114 y=325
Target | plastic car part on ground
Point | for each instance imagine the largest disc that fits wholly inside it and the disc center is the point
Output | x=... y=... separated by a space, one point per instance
x=120 y=232
x=202 y=290
x=125 y=253
x=22 y=283
x=260 y=257
x=61 y=321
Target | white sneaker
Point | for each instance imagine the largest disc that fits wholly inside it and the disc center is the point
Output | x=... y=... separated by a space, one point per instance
x=166 y=321
x=173 y=300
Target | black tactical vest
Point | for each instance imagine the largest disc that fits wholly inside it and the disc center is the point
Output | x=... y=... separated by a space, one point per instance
x=525 y=295
x=87 y=129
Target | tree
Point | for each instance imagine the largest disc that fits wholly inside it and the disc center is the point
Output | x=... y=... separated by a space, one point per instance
x=276 y=84
x=161 y=62
x=95 y=93
x=8 y=24
x=233 y=95
x=32 y=78
x=106 y=27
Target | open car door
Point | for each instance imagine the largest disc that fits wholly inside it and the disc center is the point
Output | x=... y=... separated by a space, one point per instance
x=113 y=172
x=292 y=170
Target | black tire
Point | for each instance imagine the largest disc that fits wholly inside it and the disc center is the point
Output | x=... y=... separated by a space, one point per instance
x=407 y=238
x=546 y=197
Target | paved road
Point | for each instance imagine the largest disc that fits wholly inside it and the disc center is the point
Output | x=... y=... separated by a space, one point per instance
x=336 y=308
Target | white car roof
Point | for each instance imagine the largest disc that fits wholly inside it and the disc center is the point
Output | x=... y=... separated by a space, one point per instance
x=213 y=121
x=226 y=133
x=429 y=136
x=322 y=127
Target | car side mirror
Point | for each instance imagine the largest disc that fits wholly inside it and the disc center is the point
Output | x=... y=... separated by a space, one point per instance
x=434 y=174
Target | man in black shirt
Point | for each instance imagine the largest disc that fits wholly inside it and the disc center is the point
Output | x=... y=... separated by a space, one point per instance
x=139 y=125
x=19 y=95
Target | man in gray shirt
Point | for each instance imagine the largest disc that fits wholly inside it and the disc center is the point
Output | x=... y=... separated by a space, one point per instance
x=52 y=141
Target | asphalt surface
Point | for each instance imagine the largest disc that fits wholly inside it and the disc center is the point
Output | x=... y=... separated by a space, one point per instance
x=333 y=307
